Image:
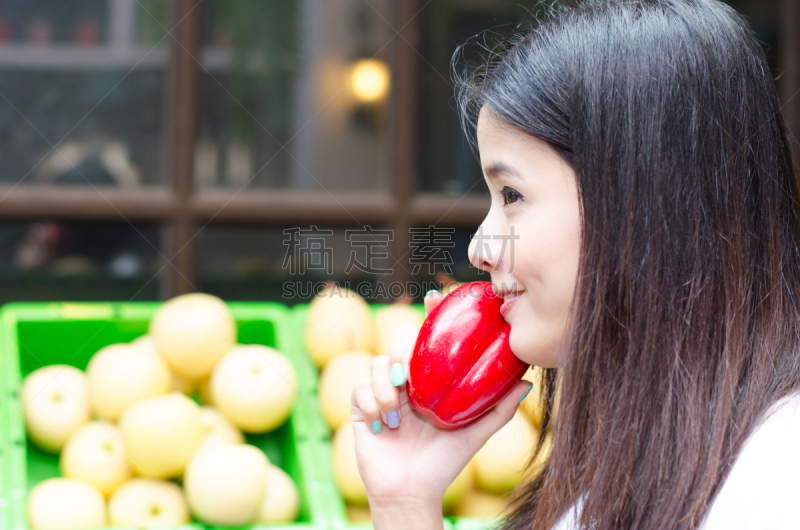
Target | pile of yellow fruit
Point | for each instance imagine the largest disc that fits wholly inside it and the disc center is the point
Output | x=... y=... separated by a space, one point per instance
x=342 y=337
x=136 y=451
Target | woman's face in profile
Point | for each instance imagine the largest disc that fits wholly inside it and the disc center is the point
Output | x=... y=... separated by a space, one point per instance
x=530 y=239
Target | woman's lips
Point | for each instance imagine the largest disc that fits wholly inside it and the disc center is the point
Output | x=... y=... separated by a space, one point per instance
x=508 y=303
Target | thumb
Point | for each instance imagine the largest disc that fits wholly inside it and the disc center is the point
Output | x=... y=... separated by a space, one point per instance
x=499 y=415
x=432 y=299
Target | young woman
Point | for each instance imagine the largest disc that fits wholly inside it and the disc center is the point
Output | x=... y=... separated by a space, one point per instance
x=638 y=149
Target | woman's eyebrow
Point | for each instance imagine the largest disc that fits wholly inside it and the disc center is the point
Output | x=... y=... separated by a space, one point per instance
x=499 y=168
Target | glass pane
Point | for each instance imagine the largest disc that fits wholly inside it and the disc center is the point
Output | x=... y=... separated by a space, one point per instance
x=82 y=90
x=287 y=264
x=279 y=104
x=446 y=163
x=48 y=261
x=291 y=264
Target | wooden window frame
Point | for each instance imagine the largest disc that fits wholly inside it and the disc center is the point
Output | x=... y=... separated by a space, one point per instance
x=181 y=209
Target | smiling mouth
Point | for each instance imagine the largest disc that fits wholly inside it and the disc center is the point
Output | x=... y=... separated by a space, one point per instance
x=509 y=300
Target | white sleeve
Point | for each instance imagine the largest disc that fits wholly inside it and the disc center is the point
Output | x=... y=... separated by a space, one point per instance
x=569 y=521
x=762 y=490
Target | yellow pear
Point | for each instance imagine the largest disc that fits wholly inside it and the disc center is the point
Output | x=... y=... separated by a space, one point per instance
x=459 y=487
x=500 y=463
x=345 y=466
x=537 y=466
x=532 y=404
x=217 y=428
x=204 y=391
x=144 y=340
x=388 y=318
x=66 y=504
x=338 y=320
x=255 y=387
x=357 y=513
x=481 y=505
x=336 y=385
x=55 y=402
x=147 y=503
x=95 y=454
x=184 y=386
x=225 y=484
x=281 y=504
x=193 y=332
x=179 y=383
x=161 y=434
x=122 y=374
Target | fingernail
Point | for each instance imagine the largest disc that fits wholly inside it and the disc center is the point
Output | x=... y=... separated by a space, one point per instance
x=431 y=291
x=526 y=393
x=398 y=374
x=376 y=427
x=393 y=419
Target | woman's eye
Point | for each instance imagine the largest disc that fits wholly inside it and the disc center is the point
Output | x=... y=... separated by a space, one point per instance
x=510 y=195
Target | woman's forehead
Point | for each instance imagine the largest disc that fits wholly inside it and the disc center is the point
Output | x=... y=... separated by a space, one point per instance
x=492 y=130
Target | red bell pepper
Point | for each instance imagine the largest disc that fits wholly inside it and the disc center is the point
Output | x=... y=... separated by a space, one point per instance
x=462 y=364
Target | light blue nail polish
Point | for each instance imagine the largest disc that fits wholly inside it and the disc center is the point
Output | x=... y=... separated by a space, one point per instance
x=398 y=374
x=393 y=419
x=376 y=427
x=526 y=393
x=431 y=291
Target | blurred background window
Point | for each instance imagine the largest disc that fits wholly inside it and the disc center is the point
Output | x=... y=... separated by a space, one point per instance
x=154 y=147
x=81 y=96
x=293 y=94
x=79 y=261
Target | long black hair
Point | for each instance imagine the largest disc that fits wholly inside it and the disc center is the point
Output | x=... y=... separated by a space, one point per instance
x=685 y=325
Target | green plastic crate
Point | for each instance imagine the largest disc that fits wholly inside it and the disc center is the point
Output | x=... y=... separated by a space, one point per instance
x=296 y=325
x=33 y=335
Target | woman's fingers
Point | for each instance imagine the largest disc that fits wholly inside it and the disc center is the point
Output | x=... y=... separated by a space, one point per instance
x=432 y=299
x=386 y=394
x=380 y=397
x=365 y=406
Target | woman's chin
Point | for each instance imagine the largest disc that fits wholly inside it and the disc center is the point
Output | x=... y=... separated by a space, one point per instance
x=523 y=348
x=518 y=347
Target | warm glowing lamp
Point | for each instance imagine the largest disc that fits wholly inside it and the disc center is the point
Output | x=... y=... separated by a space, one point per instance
x=370 y=80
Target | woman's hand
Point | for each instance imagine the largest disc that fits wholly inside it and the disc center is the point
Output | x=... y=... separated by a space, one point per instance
x=406 y=461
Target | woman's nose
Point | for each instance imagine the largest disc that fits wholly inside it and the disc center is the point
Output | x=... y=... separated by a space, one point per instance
x=484 y=250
